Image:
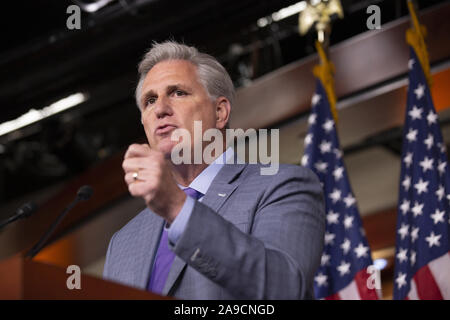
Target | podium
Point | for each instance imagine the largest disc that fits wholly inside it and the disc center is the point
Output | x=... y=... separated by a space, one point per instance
x=22 y=278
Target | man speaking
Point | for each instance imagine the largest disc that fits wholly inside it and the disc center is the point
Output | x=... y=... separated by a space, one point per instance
x=218 y=230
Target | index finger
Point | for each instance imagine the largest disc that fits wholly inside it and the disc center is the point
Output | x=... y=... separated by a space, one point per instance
x=137 y=150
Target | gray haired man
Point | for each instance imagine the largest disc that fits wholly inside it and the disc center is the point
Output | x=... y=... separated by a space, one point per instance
x=218 y=230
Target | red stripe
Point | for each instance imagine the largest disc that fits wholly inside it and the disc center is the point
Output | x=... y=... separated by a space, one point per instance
x=361 y=283
x=333 y=297
x=427 y=288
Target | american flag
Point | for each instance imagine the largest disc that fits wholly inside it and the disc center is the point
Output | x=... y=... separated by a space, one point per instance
x=343 y=269
x=422 y=261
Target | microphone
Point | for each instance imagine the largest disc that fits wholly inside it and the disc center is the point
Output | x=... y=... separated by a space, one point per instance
x=83 y=194
x=23 y=212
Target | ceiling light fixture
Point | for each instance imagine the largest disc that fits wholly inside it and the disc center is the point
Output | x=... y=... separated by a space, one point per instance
x=34 y=115
x=92 y=7
x=282 y=14
x=289 y=11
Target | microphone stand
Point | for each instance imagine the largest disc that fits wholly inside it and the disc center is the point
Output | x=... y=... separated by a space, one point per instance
x=83 y=194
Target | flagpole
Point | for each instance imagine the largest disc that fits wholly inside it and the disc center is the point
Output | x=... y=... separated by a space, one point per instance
x=325 y=73
x=415 y=37
x=319 y=17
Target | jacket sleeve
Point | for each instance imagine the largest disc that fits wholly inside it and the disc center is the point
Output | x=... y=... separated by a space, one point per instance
x=280 y=255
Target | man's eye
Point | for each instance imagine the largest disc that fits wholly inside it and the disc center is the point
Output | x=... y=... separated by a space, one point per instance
x=150 y=101
x=179 y=93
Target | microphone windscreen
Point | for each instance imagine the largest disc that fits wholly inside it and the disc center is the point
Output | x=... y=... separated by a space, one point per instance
x=26 y=210
x=85 y=192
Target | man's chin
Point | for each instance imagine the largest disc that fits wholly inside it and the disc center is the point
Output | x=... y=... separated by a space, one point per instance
x=166 y=147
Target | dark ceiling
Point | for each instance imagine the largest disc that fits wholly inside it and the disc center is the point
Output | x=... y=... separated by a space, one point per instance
x=42 y=61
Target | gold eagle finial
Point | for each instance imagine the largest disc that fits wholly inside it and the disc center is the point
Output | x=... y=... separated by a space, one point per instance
x=318 y=13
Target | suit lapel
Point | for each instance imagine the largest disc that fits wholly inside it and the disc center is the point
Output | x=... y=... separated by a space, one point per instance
x=217 y=194
x=219 y=191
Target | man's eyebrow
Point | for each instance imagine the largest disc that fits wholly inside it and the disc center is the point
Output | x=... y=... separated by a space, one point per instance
x=177 y=86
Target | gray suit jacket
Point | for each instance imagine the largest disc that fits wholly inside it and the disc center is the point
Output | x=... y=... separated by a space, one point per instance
x=252 y=237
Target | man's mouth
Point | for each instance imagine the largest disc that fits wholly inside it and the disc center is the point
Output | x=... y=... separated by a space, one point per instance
x=164 y=129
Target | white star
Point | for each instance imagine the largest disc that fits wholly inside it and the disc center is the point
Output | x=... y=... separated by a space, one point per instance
x=321 y=279
x=416 y=113
x=413 y=258
x=406 y=183
x=328 y=125
x=312 y=118
x=405 y=206
x=417 y=209
x=411 y=136
x=329 y=237
x=433 y=239
x=440 y=192
x=335 y=195
x=325 y=259
x=414 y=234
x=348 y=222
x=343 y=268
x=429 y=141
x=308 y=139
x=325 y=146
x=401 y=280
x=408 y=159
x=402 y=255
x=338 y=173
x=349 y=200
x=431 y=118
x=338 y=153
x=315 y=99
x=411 y=63
x=420 y=90
x=421 y=186
x=442 y=147
x=361 y=250
x=441 y=167
x=345 y=246
x=305 y=160
x=426 y=164
x=403 y=231
x=321 y=166
x=332 y=217
x=438 y=216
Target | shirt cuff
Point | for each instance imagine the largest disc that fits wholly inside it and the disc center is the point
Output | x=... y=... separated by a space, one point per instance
x=178 y=225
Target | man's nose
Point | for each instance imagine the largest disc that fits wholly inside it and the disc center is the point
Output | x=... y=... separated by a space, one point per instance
x=163 y=108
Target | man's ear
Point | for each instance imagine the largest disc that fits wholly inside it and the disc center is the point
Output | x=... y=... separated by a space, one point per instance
x=223 y=110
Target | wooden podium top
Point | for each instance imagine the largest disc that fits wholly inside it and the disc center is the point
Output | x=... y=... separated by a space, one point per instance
x=22 y=278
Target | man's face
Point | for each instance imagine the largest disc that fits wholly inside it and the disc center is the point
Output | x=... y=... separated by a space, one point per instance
x=173 y=97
